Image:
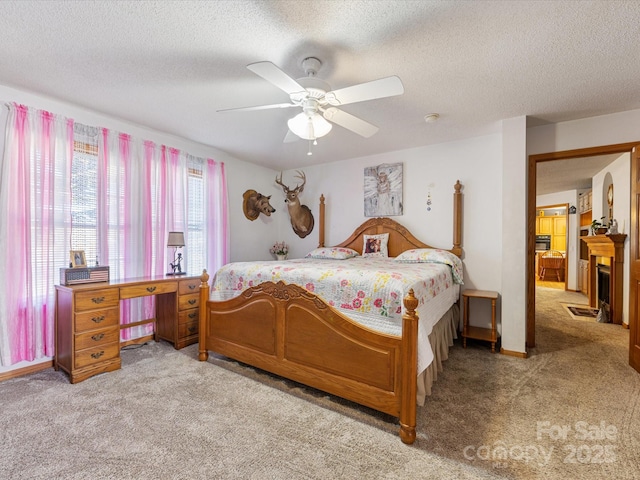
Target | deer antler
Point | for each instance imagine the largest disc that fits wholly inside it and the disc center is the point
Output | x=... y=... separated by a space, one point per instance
x=279 y=182
x=302 y=177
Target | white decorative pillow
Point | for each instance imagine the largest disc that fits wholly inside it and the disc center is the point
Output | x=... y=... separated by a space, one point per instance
x=332 y=253
x=375 y=245
x=433 y=255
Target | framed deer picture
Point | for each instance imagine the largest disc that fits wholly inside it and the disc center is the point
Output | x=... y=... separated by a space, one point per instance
x=383 y=190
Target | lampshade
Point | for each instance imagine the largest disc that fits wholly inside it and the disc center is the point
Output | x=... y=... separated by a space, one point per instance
x=310 y=126
x=176 y=239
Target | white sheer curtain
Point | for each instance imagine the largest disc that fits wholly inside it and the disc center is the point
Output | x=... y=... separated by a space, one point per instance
x=35 y=179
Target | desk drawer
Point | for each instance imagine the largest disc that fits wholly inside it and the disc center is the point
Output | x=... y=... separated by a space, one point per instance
x=99 y=354
x=97 y=338
x=189 y=286
x=186 y=302
x=147 y=289
x=91 y=300
x=186 y=316
x=97 y=319
x=187 y=329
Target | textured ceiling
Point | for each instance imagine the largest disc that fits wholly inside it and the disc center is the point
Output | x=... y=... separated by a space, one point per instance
x=171 y=65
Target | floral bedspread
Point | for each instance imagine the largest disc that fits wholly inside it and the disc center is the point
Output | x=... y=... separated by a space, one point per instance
x=368 y=290
x=373 y=286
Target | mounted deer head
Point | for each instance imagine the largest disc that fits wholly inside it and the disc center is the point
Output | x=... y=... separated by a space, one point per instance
x=300 y=215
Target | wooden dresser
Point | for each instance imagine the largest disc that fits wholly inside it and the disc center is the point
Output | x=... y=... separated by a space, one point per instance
x=88 y=320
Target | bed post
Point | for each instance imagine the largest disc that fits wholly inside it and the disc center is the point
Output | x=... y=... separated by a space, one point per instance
x=203 y=353
x=409 y=369
x=321 y=229
x=457 y=219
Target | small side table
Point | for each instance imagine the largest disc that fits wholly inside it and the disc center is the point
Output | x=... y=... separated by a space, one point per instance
x=479 y=333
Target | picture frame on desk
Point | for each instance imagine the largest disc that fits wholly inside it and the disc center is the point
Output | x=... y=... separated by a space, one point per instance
x=77 y=259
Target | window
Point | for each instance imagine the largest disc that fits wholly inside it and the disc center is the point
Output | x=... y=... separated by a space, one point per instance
x=67 y=186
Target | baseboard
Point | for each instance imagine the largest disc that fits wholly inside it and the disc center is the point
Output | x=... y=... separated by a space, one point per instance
x=511 y=353
x=19 y=372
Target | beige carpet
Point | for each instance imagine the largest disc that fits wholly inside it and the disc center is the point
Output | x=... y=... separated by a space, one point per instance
x=569 y=411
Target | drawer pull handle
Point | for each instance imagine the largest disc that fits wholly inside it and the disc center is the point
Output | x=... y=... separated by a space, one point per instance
x=192 y=329
x=192 y=315
x=97 y=299
x=151 y=289
x=97 y=354
x=97 y=336
x=191 y=287
x=192 y=301
x=97 y=319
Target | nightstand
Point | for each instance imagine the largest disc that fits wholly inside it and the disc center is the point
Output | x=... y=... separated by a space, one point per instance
x=479 y=333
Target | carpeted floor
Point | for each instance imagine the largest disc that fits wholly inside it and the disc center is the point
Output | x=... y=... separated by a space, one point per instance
x=568 y=411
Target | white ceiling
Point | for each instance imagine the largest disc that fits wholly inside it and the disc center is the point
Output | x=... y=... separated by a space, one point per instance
x=571 y=174
x=171 y=65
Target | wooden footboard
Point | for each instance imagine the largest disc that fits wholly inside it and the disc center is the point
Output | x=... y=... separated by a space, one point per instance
x=288 y=331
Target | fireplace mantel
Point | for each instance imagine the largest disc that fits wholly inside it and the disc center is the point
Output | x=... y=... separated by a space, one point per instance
x=611 y=246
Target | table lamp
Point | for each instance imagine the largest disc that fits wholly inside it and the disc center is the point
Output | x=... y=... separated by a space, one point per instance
x=176 y=240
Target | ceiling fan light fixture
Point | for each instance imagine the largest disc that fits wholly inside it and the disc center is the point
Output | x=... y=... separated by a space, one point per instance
x=309 y=127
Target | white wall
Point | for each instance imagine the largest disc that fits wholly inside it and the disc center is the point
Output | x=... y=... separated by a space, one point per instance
x=476 y=162
x=514 y=234
x=611 y=129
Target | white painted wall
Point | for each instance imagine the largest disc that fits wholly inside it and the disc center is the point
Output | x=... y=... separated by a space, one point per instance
x=611 y=129
x=476 y=162
x=514 y=234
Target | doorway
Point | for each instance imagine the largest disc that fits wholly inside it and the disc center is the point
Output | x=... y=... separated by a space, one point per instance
x=552 y=261
x=534 y=160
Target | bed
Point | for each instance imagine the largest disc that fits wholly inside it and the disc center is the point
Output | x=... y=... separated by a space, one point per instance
x=296 y=331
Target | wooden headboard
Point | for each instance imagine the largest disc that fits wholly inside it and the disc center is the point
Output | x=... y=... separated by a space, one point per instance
x=400 y=239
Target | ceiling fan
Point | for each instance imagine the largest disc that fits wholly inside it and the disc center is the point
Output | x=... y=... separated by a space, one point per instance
x=319 y=102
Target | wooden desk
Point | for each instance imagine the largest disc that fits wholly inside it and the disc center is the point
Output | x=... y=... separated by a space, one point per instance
x=87 y=332
x=479 y=333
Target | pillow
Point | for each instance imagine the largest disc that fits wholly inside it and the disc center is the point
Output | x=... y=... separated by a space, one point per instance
x=375 y=245
x=333 y=253
x=433 y=255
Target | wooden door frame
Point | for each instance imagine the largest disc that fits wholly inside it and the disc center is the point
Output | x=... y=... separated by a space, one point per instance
x=531 y=217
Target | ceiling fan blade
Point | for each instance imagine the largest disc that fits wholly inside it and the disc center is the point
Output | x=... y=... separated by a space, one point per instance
x=258 y=107
x=384 y=87
x=350 y=122
x=274 y=75
x=290 y=137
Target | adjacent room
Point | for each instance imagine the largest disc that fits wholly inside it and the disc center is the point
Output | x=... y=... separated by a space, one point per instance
x=331 y=239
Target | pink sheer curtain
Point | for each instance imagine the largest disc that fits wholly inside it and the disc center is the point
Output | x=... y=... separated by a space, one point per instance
x=34 y=229
x=147 y=198
x=142 y=194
